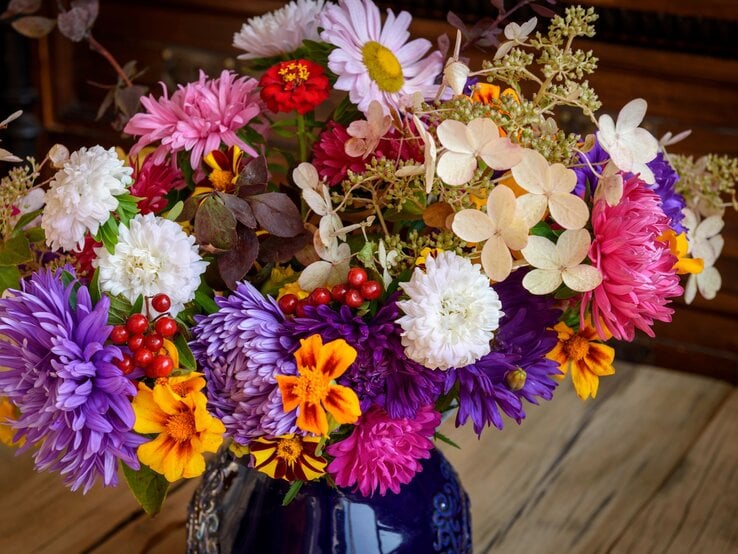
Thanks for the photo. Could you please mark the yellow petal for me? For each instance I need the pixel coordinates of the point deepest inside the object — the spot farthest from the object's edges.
(149, 417)
(311, 418)
(287, 385)
(342, 403)
(585, 383)
(335, 358)
(307, 355)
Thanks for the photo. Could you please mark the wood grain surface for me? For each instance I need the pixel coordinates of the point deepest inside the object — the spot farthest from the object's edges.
(651, 465)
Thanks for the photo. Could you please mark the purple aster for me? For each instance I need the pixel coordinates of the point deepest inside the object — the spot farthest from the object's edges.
(381, 374)
(73, 400)
(590, 165)
(521, 342)
(241, 348)
(671, 201)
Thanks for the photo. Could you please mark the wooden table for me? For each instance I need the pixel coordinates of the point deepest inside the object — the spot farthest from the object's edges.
(650, 466)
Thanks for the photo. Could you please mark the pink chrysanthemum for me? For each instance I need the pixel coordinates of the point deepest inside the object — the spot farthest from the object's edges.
(383, 453)
(637, 268)
(152, 182)
(197, 118)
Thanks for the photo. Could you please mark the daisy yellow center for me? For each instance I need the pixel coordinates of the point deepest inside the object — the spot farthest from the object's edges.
(384, 67)
(222, 179)
(576, 348)
(293, 74)
(312, 387)
(289, 449)
(181, 426)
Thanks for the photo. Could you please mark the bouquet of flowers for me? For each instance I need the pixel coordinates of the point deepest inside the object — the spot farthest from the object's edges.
(313, 267)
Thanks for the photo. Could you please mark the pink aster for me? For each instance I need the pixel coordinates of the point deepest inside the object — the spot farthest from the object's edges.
(383, 453)
(637, 268)
(197, 118)
(152, 182)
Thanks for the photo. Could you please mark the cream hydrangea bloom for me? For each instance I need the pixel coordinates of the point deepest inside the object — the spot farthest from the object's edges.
(480, 138)
(549, 187)
(450, 315)
(706, 242)
(153, 255)
(502, 227)
(559, 262)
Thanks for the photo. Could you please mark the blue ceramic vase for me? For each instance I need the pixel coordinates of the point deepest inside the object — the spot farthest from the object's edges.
(238, 510)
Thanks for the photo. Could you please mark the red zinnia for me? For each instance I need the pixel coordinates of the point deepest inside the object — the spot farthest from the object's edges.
(299, 85)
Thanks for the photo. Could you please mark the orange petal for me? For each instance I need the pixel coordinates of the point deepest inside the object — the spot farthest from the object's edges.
(600, 358)
(307, 355)
(312, 418)
(287, 385)
(342, 403)
(335, 358)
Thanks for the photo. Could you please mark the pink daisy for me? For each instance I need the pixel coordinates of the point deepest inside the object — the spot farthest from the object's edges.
(383, 453)
(152, 182)
(637, 268)
(373, 62)
(197, 118)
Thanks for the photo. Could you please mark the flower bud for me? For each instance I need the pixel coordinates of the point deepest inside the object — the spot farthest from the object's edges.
(516, 379)
(59, 154)
(455, 74)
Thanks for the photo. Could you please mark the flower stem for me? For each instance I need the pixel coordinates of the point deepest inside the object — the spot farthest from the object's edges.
(301, 137)
(100, 49)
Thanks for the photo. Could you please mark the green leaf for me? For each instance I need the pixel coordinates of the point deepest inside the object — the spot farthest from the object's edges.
(36, 234)
(173, 214)
(138, 305)
(445, 439)
(292, 492)
(25, 219)
(95, 287)
(183, 163)
(9, 278)
(120, 309)
(149, 488)
(205, 302)
(186, 358)
(542, 229)
(15, 251)
(108, 234)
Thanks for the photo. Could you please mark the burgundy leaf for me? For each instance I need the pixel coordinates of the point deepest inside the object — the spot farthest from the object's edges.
(277, 249)
(499, 5)
(276, 213)
(240, 209)
(234, 264)
(189, 209)
(543, 11)
(215, 225)
(33, 26)
(77, 22)
(127, 99)
(21, 7)
(455, 21)
(253, 177)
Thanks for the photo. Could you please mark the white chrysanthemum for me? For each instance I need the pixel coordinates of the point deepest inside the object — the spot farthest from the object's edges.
(153, 255)
(81, 196)
(451, 314)
(279, 32)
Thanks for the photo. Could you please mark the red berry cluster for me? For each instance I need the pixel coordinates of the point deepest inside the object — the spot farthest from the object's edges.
(357, 289)
(145, 343)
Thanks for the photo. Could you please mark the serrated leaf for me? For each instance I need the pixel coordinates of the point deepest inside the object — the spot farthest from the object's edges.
(234, 264)
(149, 487)
(240, 208)
(9, 278)
(34, 26)
(186, 358)
(15, 251)
(277, 214)
(215, 224)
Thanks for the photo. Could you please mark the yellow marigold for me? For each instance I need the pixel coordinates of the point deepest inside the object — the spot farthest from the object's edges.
(679, 247)
(8, 414)
(292, 288)
(175, 410)
(589, 359)
(313, 391)
(289, 457)
(424, 253)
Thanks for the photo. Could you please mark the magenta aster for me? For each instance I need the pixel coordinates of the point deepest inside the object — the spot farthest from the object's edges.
(383, 453)
(638, 276)
(197, 118)
(152, 182)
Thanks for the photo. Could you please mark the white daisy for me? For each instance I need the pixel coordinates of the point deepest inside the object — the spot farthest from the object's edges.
(451, 313)
(279, 32)
(374, 62)
(153, 255)
(81, 196)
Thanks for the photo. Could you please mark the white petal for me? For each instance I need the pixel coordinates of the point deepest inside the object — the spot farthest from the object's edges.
(690, 290)
(472, 226)
(306, 176)
(606, 134)
(541, 253)
(496, 259)
(644, 143)
(500, 153)
(456, 168)
(542, 281)
(452, 135)
(632, 114)
(573, 247)
(315, 275)
(531, 172)
(512, 31)
(568, 210)
(315, 201)
(532, 208)
(501, 206)
(710, 227)
(582, 278)
(709, 282)
(528, 27)
(503, 49)
(610, 189)
(481, 131)
(561, 178)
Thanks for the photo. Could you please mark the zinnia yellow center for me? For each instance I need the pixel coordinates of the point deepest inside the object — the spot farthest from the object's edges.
(293, 74)
(289, 449)
(221, 179)
(181, 427)
(312, 386)
(576, 348)
(384, 67)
